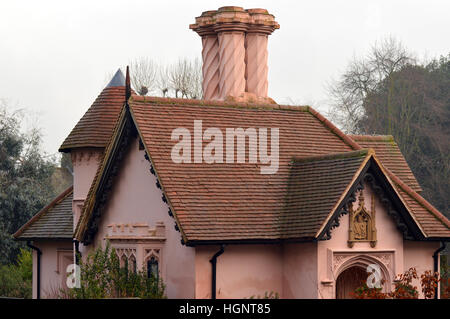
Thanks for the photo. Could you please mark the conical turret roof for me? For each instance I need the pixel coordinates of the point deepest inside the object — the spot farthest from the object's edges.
(117, 80)
(96, 126)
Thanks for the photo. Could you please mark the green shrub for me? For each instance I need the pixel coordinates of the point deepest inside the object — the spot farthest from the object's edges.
(102, 277)
(15, 279)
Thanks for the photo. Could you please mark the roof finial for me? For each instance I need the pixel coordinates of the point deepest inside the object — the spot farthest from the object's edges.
(127, 84)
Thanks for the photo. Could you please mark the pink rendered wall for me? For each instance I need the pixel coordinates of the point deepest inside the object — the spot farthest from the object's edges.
(389, 247)
(135, 198)
(242, 271)
(85, 163)
(420, 256)
(52, 266)
(300, 271)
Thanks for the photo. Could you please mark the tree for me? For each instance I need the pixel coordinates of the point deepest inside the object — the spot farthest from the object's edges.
(143, 74)
(413, 105)
(15, 280)
(25, 179)
(183, 79)
(389, 92)
(362, 77)
(62, 176)
(163, 81)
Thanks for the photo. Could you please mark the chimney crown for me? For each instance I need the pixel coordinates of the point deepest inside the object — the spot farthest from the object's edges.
(231, 14)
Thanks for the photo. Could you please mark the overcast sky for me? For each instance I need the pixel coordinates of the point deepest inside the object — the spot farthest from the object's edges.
(55, 55)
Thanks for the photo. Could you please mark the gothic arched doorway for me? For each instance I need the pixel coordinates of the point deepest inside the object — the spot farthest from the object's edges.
(349, 280)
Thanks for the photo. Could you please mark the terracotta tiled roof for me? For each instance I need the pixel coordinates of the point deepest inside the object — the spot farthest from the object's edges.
(226, 202)
(432, 225)
(315, 188)
(229, 201)
(433, 222)
(55, 221)
(96, 126)
(390, 155)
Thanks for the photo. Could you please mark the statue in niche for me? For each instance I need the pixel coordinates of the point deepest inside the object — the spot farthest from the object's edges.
(360, 227)
(362, 223)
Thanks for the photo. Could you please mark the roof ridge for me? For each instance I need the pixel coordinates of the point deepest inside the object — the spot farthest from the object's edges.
(351, 154)
(334, 129)
(232, 104)
(377, 137)
(58, 199)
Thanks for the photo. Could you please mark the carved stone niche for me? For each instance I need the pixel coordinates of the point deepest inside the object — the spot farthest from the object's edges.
(362, 223)
(136, 232)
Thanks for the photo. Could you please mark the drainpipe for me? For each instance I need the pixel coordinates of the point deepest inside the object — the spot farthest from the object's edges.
(213, 262)
(436, 264)
(77, 252)
(38, 276)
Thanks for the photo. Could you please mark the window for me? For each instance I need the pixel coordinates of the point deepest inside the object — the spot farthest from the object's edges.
(139, 247)
(132, 264)
(152, 267)
(152, 261)
(64, 259)
(127, 258)
(124, 262)
(140, 257)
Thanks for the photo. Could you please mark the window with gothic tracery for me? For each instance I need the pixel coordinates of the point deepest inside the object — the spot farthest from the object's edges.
(152, 268)
(152, 262)
(132, 265)
(127, 258)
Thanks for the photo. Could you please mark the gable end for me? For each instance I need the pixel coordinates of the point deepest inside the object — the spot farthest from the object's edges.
(372, 174)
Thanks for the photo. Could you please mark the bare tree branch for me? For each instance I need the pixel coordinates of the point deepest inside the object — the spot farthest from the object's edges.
(143, 75)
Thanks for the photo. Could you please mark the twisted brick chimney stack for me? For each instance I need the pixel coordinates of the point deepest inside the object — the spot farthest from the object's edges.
(235, 52)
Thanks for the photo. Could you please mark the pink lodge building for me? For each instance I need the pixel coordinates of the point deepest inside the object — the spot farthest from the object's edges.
(222, 229)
